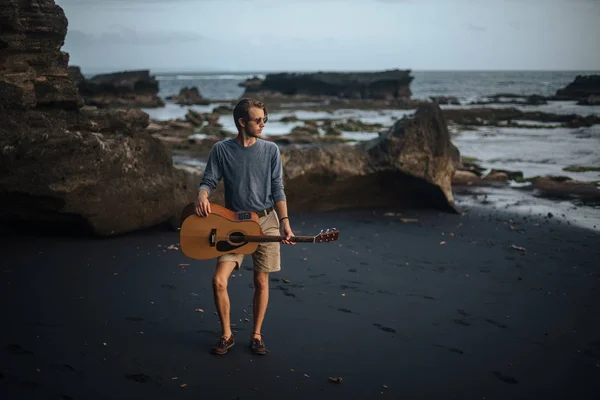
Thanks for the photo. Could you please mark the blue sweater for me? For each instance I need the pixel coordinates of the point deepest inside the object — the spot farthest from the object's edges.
(252, 175)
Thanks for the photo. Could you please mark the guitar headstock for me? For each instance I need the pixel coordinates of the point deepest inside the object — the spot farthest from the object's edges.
(328, 236)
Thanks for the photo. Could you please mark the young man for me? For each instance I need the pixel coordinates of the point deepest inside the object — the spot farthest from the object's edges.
(252, 173)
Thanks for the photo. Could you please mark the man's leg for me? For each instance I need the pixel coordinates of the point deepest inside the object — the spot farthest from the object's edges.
(221, 296)
(266, 260)
(261, 300)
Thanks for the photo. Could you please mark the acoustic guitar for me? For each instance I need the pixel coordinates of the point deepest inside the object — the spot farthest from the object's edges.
(225, 231)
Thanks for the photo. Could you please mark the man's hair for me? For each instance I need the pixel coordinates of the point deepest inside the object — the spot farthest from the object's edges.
(242, 108)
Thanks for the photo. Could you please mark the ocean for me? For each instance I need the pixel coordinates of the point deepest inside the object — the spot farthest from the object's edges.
(544, 150)
(467, 86)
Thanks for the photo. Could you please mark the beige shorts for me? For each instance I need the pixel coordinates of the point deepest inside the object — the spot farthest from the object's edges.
(267, 257)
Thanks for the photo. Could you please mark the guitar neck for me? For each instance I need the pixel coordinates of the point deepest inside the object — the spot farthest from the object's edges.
(263, 239)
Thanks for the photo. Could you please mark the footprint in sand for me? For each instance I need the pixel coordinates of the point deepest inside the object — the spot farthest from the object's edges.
(285, 291)
(498, 324)
(62, 367)
(505, 378)
(450, 349)
(141, 378)
(461, 322)
(385, 328)
(18, 349)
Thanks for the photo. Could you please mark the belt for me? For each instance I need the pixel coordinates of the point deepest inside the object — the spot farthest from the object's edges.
(265, 212)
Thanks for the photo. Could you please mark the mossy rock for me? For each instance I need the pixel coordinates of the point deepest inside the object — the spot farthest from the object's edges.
(305, 130)
(469, 160)
(354, 125)
(581, 168)
(332, 131)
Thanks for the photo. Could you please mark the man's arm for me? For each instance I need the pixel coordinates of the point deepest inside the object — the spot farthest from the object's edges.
(279, 197)
(212, 176)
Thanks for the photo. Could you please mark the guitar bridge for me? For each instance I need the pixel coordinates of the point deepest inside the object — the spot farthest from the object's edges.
(212, 239)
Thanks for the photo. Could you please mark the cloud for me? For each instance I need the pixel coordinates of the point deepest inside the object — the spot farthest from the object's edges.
(126, 36)
(124, 2)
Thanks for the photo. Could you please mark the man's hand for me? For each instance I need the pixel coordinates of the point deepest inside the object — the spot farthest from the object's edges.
(286, 230)
(202, 204)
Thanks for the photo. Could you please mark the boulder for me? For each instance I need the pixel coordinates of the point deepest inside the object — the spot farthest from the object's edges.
(388, 85)
(189, 96)
(127, 89)
(63, 165)
(462, 177)
(587, 193)
(581, 88)
(445, 100)
(410, 165)
(496, 176)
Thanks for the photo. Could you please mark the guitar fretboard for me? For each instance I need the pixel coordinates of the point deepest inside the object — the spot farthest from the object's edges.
(264, 239)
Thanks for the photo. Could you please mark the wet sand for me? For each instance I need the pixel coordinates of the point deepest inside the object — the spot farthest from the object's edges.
(388, 308)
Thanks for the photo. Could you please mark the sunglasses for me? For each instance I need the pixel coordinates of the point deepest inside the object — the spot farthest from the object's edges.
(258, 120)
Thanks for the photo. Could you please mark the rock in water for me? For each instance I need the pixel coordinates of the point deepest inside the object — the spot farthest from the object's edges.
(387, 85)
(126, 89)
(189, 96)
(582, 88)
(61, 163)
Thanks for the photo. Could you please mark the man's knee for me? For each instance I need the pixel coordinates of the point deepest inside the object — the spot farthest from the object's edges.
(261, 280)
(219, 283)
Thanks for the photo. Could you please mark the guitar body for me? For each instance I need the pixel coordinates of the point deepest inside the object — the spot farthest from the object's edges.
(203, 238)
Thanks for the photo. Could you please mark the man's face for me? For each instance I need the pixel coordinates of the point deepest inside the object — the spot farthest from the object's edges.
(255, 122)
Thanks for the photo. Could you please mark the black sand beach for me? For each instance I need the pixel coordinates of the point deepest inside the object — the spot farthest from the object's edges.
(388, 308)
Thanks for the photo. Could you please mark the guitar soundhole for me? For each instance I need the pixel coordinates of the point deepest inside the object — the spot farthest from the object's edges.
(236, 237)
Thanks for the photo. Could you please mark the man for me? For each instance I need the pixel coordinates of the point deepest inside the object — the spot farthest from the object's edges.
(252, 173)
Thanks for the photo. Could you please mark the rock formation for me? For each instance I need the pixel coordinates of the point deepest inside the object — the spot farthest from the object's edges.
(386, 85)
(583, 87)
(188, 97)
(128, 89)
(410, 165)
(503, 116)
(62, 164)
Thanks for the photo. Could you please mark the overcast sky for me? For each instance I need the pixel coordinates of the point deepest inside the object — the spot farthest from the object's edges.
(305, 35)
